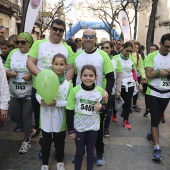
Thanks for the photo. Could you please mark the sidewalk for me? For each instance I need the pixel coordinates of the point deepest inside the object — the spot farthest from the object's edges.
(124, 149)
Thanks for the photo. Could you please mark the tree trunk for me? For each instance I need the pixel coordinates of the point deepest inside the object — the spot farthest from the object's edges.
(135, 25)
(25, 6)
(151, 28)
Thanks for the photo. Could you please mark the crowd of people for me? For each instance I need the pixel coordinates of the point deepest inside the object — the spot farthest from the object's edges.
(93, 80)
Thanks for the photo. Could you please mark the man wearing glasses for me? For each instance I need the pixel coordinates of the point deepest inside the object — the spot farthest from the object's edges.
(157, 67)
(41, 54)
(104, 69)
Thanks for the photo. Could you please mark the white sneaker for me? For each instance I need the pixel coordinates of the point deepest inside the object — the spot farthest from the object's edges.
(25, 146)
(60, 166)
(44, 167)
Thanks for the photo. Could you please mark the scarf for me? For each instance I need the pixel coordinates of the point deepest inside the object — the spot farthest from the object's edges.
(111, 56)
(61, 79)
(124, 57)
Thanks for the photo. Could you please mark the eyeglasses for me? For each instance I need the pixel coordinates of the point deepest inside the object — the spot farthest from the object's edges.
(11, 46)
(88, 36)
(105, 48)
(58, 29)
(128, 51)
(22, 42)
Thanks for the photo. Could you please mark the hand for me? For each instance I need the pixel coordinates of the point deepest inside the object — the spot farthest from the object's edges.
(105, 97)
(27, 77)
(3, 115)
(12, 74)
(43, 103)
(72, 136)
(97, 106)
(137, 85)
(144, 80)
(53, 103)
(118, 94)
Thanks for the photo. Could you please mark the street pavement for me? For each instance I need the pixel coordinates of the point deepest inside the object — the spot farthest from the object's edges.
(124, 149)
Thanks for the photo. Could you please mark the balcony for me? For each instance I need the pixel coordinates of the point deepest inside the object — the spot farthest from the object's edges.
(8, 7)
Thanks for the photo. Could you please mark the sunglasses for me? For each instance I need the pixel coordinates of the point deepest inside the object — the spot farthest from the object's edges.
(22, 42)
(11, 46)
(58, 29)
(88, 36)
(118, 44)
(105, 48)
(128, 51)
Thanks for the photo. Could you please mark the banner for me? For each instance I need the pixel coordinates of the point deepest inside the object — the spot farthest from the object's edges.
(124, 23)
(32, 12)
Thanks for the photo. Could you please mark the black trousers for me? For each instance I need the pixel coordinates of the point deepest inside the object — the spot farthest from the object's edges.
(127, 97)
(157, 107)
(59, 142)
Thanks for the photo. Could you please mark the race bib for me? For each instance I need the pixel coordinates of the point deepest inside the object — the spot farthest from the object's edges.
(86, 107)
(165, 84)
(19, 85)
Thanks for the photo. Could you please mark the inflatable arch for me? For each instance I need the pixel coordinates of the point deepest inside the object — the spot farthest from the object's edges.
(94, 25)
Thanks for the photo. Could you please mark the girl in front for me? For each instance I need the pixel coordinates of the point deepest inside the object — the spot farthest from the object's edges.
(83, 119)
(53, 117)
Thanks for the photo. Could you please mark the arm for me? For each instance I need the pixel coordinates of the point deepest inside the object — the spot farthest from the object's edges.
(5, 97)
(69, 72)
(32, 65)
(141, 67)
(118, 84)
(153, 74)
(110, 82)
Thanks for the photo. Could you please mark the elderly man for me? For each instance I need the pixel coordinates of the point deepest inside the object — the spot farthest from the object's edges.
(104, 68)
(41, 54)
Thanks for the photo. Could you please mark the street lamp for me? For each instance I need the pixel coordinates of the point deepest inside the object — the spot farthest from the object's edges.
(70, 26)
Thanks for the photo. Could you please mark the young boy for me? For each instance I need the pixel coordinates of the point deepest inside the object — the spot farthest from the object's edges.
(5, 50)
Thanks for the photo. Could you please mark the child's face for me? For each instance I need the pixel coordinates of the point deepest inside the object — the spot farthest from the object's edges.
(88, 77)
(4, 50)
(59, 65)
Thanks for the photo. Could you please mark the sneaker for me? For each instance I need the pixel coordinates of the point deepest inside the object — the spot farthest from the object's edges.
(17, 128)
(162, 120)
(135, 108)
(44, 167)
(33, 132)
(106, 133)
(100, 160)
(126, 125)
(40, 154)
(149, 137)
(146, 114)
(114, 118)
(60, 166)
(25, 146)
(156, 154)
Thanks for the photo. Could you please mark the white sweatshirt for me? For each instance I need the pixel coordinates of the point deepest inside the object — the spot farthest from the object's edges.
(4, 89)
